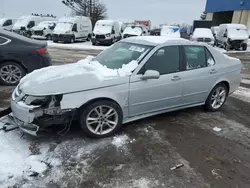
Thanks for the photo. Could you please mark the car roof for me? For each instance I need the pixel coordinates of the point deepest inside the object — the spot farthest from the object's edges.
(156, 40)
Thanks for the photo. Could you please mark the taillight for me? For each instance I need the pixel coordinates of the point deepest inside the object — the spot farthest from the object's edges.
(42, 50)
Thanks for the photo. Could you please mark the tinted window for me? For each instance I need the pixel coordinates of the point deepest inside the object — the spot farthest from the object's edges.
(31, 24)
(165, 60)
(7, 23)
(209, 57)
(195, 57)
(2, 40)
(74, 28)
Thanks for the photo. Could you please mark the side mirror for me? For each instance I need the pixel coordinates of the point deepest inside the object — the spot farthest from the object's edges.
(151, 74)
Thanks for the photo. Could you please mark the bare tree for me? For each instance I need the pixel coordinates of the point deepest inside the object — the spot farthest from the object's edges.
(93, 9)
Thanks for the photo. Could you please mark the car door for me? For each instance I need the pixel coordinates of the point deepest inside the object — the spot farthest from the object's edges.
(200, 74)
(152, 95)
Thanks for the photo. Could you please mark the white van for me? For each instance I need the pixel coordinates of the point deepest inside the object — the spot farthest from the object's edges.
(7, 23)
(24, 24)
(232, 36)
(134, 30)
(44, 30)
(106, 32)
(170, 31)
(71, 29)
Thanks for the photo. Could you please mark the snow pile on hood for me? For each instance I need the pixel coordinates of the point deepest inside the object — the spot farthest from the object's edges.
(83, 67)
(203, 33)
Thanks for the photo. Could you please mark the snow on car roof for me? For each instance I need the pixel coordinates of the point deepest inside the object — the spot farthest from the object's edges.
(106, 22)
(153, 40)
(238, 26)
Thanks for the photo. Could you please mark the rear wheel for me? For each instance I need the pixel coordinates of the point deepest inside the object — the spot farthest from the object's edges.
(55, 41)
(101, 119)
(217, 97)
(11, 73)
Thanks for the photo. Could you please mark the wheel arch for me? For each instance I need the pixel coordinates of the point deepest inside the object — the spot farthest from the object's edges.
(81, 108)
(226, 82)
(15, 61)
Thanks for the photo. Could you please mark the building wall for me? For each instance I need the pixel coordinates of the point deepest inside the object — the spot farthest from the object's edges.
(227, 5)
(242, 17)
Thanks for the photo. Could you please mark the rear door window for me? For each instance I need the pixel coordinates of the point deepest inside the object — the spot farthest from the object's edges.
(8, 23)
(195, 57)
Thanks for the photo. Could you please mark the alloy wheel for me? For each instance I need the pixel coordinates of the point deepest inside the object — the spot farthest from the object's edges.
(10, 74)
(218, 97)
(102, 120)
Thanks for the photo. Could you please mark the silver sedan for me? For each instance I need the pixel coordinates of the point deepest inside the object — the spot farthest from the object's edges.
(135, 78)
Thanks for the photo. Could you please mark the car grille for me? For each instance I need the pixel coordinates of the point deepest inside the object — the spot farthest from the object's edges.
(100, 37)
(128, 35)
(208, 40)
(236, 43)
(204, 40)
(40, 33)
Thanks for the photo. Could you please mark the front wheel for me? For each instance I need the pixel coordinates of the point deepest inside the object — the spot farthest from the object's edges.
(244, 47)
(217, 97)
(101, 119)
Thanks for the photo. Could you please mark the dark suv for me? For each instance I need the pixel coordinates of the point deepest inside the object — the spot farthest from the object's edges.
(20, 55)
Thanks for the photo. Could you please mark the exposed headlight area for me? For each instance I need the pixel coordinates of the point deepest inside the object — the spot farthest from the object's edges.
(108, 35)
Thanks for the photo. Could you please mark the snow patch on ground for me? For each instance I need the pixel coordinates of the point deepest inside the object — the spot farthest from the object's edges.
(17, 161)
(76, 46)
(120, 141)
(245, 81)
(242, 94)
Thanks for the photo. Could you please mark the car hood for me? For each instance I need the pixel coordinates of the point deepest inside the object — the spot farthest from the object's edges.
(80, 76)
(38, 28)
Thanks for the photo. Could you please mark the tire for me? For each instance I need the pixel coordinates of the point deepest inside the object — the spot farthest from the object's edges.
(244, 47)
(16, 70)
(49, 37)
(88, 38)
(94, 43)
(226, 47)
(55, 41)
(72, 40)
(104, 129)
(209, 102)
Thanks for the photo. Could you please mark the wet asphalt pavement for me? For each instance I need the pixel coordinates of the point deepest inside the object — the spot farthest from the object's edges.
(143, 152)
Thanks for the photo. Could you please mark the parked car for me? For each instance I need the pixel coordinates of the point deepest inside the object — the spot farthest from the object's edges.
(19, 56)
(24, 24)
(7, 23)
(232, 36)
(170, 31)
(71, 29)
(133, 30)
(203, 35)
(106, 32)
(135, 78)
(155, 32)
(44, 30)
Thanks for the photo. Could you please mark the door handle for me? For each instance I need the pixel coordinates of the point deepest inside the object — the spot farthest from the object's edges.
(176, 78)
(213, 71)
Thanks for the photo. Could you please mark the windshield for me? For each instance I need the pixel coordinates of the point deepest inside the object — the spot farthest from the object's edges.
(44, 24)
(122, 53)
(103, 28)
(237, 32)
(203, 32)
(22, 22)
(133, 29)
(64, 26)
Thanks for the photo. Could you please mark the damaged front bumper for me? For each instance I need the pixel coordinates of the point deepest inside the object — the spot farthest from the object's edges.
(23, 117)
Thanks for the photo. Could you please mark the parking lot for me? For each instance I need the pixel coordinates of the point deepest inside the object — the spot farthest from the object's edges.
(143, 152)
